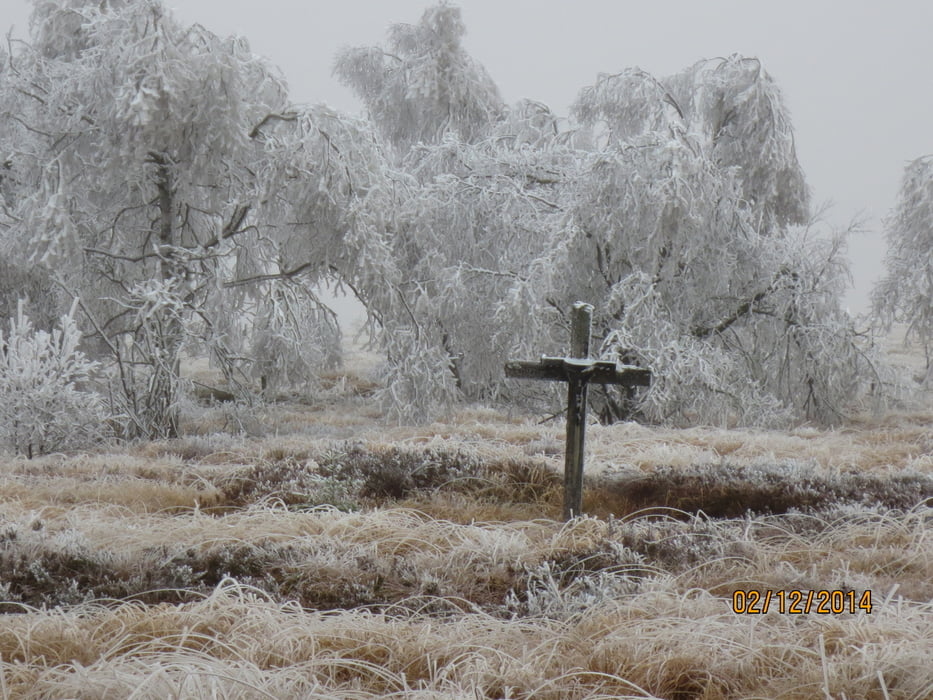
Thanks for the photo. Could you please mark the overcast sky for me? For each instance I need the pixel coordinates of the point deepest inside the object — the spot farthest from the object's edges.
(857, 76)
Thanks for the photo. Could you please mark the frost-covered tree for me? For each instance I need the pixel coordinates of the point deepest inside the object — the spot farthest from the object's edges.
(424, 84)
(139, 179)
(162, 176)
(676, 206)
(468, 229)
(905, 295)
(679, 234)
(328, 207)
(735, 324)
(473, 194)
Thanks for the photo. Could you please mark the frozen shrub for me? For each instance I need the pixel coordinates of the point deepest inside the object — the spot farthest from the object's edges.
(548, 595)
(43, 405)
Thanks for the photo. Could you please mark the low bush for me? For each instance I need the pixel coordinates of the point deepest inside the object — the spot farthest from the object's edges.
(43, 405)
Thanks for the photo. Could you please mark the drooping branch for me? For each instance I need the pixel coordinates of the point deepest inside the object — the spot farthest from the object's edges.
(358, 293)
(282, 117)
(743, 309)
(286, 274)
(125, 258)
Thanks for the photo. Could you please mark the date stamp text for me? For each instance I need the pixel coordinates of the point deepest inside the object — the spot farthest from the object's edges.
(822, 602)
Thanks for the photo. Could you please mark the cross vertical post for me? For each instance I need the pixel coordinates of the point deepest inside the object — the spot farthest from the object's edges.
(580, 321)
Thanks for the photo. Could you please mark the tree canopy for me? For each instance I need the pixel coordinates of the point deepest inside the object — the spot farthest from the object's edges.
(424, 83)
(161, 174)
(676, 206)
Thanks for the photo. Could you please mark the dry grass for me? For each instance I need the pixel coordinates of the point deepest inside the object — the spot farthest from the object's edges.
(235, 643)
(332, 556)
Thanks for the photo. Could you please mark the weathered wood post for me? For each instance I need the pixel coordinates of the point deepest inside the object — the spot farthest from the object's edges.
(580, 325)
(577, 370)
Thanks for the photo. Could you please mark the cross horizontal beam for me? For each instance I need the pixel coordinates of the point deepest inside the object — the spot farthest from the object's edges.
(567, 369)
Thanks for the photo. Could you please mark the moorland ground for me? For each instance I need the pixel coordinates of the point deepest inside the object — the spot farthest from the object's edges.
(309, 550)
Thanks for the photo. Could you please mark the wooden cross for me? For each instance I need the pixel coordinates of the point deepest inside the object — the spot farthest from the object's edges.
(577, 370)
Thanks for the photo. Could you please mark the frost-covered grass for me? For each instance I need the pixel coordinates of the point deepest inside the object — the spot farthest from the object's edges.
(532, 609)
(236, 643)
(421, 607)
(343, 558)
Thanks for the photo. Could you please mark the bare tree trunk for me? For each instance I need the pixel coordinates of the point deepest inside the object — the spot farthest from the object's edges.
(167, 338)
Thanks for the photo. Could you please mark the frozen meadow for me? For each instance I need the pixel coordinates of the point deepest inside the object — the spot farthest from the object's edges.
(332, 555)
